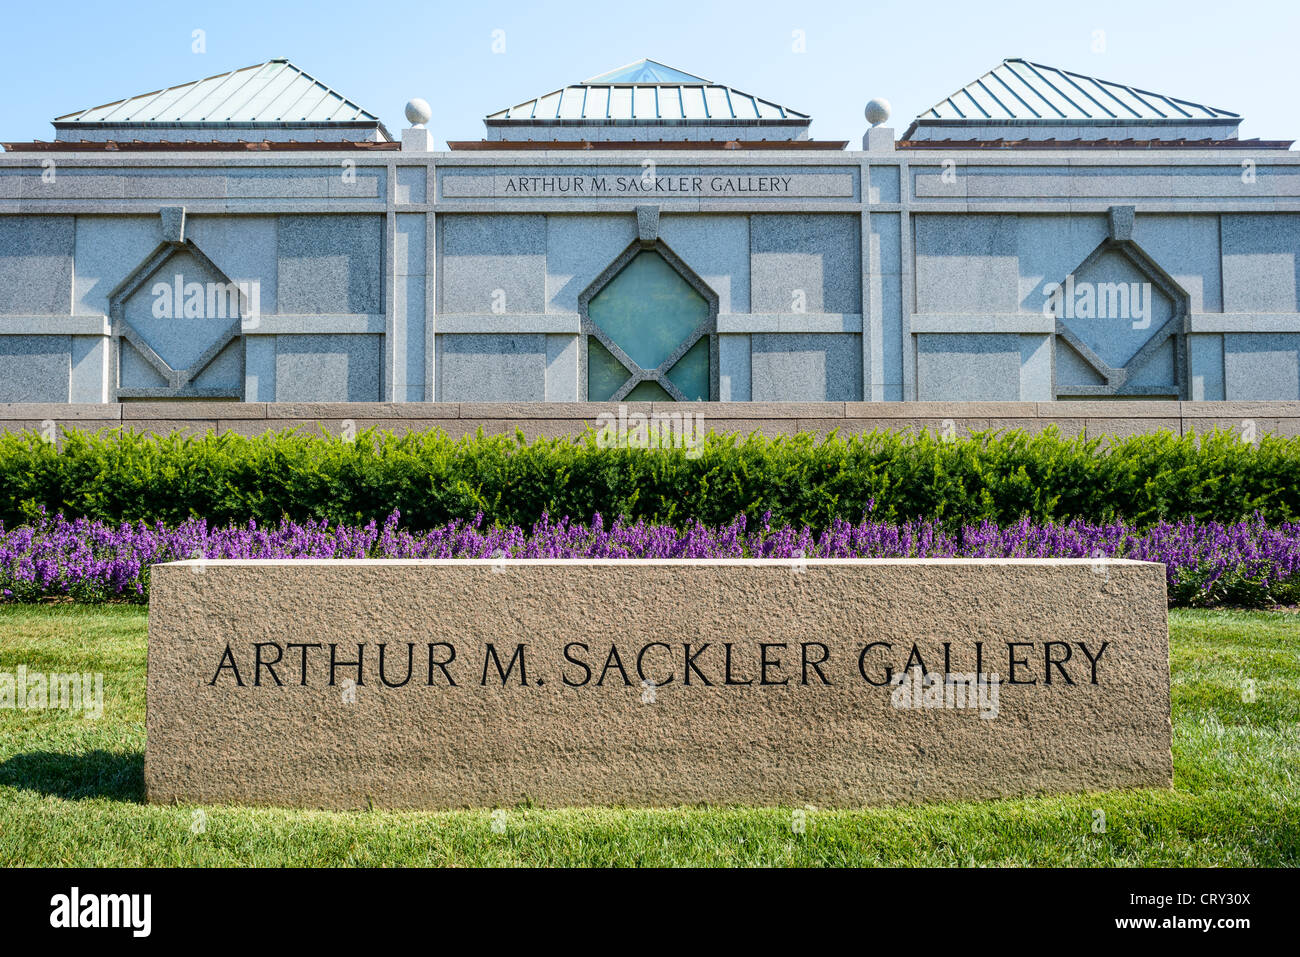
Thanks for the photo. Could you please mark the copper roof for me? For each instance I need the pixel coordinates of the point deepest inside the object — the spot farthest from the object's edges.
(192, 146)
(274, 91)
(1019, 99)
(648, 92)
(1019, 89)
(1101, 144)
(640, 145)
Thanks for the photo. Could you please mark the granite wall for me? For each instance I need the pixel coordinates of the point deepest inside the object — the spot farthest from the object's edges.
(882, 276)
(1093, 418)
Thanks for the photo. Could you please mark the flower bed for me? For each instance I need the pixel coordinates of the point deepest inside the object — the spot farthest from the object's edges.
(1247, 563)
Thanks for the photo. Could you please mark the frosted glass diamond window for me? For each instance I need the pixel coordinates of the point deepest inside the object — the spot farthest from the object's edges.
(605, 374)
(691, 371)
(651, 335)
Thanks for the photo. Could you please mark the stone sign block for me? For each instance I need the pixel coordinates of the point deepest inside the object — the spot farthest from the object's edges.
(835, 683)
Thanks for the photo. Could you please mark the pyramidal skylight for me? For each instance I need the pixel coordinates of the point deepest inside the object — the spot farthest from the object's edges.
(647, 100)
(271, 100)
(1020, 99)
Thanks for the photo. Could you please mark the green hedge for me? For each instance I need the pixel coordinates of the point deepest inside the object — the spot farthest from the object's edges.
(432, 478)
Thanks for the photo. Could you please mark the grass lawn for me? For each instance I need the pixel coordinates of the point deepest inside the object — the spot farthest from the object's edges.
(71, 789)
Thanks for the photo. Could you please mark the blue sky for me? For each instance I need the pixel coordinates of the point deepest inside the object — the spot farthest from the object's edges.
(58, 56)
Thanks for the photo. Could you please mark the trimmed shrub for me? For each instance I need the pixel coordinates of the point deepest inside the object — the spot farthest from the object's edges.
(432, 479)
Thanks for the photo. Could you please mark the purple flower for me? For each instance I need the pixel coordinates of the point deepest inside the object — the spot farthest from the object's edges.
(1207, 563)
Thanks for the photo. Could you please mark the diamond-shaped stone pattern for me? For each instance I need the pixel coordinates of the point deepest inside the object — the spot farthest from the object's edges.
(159, 316)
(1114, 307)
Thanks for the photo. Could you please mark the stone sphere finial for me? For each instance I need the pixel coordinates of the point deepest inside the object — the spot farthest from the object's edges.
(418, 112)
(877, 111)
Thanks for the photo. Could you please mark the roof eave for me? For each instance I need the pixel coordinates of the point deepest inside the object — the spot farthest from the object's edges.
(976, 124)
(1227, 120)
(151, 125)
(802, 121)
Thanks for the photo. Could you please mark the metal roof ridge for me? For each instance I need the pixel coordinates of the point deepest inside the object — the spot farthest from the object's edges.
(1139, 90)
(1070, 95)
(217, 108)
(231, 98)
(1036, 70)
(356, 106)
(598, 79)
(531, 104)
(155, 93)
(1049, 108)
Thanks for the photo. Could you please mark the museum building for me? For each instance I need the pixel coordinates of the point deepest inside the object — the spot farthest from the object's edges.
(648, 234)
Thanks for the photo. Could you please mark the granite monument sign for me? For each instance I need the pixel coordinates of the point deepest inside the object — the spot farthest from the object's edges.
(431, 683)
